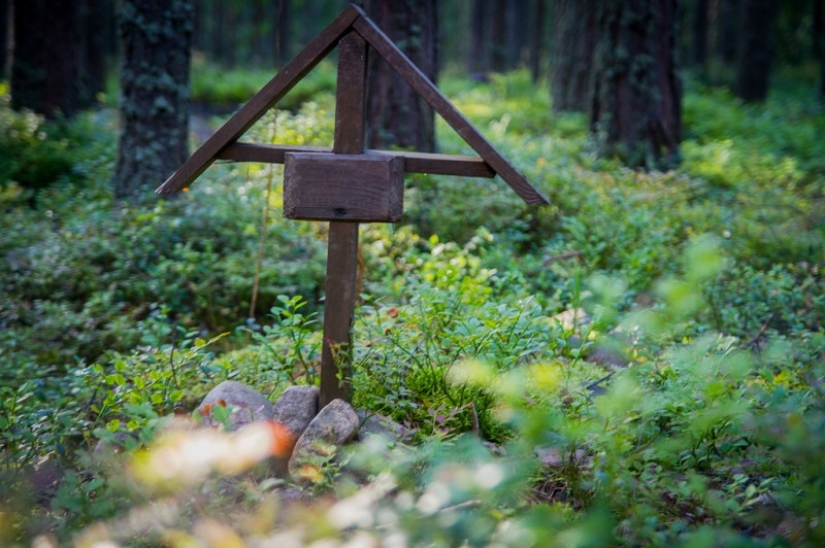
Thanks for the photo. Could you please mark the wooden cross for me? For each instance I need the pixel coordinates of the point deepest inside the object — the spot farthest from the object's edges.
(347, 185)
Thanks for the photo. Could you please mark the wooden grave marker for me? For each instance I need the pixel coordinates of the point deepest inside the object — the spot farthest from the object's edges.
(347, 185)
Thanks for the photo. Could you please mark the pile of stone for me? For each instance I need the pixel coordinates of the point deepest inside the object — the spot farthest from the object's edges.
(309, 435)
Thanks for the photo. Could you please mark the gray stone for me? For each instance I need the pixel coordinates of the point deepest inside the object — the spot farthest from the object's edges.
(374, 424)
(555, 458)
(45, 479)
(609, 357)
(106, 450)
(245, 404)
(572, 319)
(294, 410)
(335, 425)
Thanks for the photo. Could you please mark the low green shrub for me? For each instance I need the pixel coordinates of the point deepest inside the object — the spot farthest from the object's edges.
(221, 87)
(94, 271)
(35, 153)
(681, 445)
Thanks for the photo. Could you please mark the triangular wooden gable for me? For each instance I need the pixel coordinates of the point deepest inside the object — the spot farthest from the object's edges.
(223, 143)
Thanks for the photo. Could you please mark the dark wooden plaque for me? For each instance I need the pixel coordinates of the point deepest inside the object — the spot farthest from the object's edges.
(343, 187)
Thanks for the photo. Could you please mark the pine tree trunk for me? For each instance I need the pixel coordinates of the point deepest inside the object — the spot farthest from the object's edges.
(822, 76)
(48, 57)
(199, 37)
(230, 37)
(154, 111)
(498, 36)
(4, 35)
(281, 38)
(259, 47)
(397, 115)
(758, 19)
(727, 40)
(519, 34)
(95, 15)
(819, 42)
(478, 39)
(572, 54)
(699, 34)
(818, 34)
(636, 111)
(537, 40)
(218, 34)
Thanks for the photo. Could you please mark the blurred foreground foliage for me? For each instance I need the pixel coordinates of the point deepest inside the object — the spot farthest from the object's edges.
(703, 286)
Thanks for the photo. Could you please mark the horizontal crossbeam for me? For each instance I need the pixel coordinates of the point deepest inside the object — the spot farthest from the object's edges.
(414, 162)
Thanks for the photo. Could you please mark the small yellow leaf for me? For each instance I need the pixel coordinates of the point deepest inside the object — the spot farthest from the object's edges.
(311, 473)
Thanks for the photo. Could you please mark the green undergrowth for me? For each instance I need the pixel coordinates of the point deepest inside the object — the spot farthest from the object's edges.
(35, 153)
(224, 88)
(702, 286)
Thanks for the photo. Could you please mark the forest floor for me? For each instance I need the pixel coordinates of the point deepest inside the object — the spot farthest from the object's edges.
(687, 409)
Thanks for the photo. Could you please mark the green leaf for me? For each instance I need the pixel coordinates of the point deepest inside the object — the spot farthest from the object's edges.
(92, 485)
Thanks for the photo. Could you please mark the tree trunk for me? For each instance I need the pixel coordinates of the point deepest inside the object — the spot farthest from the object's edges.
(519, 34)
(636, 111)
(478, 39)
(154, 105)
(454, 36)
(48, 57)
(199, 37)
(699, 34)
(281, 37)
(537, 40)
(822, 76)
(260, 27)
(819, 42)
(758, 19)
(498, 36)
(95, 15)
(572, 54)
(218, 28)
(4, 36)
(727, 41)
(230, 33)
(396, 114)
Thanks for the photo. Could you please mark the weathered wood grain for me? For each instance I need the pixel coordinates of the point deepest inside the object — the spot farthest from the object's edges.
(339, 312)
(268, 154)
(350, 96)
(344, 187)
(445, 164)
(342, 247)
(414, 162)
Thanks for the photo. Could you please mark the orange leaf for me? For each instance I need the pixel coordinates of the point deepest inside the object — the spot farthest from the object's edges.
(282, 440)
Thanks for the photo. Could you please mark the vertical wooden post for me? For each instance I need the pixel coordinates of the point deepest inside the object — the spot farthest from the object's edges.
(342, 251)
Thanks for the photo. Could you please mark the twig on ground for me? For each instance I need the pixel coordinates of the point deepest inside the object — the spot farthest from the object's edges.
(756, 339)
